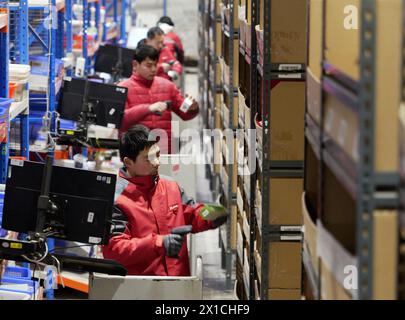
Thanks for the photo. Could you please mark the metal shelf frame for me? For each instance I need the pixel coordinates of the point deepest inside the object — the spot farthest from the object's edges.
(370, 189)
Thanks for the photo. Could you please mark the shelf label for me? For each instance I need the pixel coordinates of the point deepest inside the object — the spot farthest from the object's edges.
(94, 240)
(291, 228)
(17, 162)
(289, 67)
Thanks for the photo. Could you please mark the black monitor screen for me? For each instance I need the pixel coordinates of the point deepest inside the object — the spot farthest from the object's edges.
(84, 199)
(107, 58)
(108, 101)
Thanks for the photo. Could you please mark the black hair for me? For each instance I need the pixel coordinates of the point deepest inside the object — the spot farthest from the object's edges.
(153, 32)
(134, 141)
(143, 51)
(167, 20)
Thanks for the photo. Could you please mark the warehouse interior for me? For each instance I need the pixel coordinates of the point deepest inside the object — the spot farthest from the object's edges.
(283, 176)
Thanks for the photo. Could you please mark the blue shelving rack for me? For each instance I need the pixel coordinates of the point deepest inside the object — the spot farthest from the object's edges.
(15, 46)
(110, 27)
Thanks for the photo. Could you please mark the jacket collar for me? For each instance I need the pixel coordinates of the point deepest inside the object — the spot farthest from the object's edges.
(138, 78)
(143, 183)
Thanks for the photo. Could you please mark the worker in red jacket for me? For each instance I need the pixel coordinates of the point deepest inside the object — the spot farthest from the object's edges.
(168, 66)
(147, 209)
(151, 99)
(172, 40)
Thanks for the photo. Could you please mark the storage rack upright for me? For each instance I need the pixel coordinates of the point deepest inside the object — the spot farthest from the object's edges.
(352, 153)
(269, 110)
(18, 54)
(229, 121)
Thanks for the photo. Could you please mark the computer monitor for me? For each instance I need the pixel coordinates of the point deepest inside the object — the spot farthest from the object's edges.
(84, 200)
(107, 101)
(108, 60)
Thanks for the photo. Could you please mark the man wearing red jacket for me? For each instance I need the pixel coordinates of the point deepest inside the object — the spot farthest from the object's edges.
(150, 96)
(147, 209)
(168, 66)
(172, 40)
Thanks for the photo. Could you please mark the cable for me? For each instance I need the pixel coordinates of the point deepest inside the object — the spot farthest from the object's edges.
(59, 270)
(33, 281)
(42, 258)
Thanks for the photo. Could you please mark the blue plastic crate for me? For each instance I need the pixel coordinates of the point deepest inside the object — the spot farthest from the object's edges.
(5, 103)
(31, 283)
(17, 272)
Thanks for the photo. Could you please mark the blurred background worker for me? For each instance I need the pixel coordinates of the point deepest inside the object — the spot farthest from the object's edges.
(168, 66)
(151, 99)
(171, 39)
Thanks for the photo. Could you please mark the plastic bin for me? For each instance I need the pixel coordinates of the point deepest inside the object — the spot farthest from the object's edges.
(5, 103)
(17, 272)
(19, 73)
(12, 295)
(30, 283)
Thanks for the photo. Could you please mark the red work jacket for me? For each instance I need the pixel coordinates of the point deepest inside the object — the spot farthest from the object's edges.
(141, 94)
(152, 207)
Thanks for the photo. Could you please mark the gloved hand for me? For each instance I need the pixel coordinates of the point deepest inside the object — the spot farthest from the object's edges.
(219, 221)
(173, 244)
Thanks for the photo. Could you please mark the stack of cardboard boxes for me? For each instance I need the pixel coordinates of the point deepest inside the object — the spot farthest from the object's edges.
(333, 92)
(280, 238)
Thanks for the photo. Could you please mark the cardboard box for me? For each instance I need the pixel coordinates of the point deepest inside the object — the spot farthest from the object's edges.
(234, 221)
(284, 265)
(342, 45)
(310, 235)
(287, 120)
(286, 294)
(315, 37)
(330, 288)
(385, 252)
(289, 31)
(339, 214)
(285, 201)
(343, 52)
(314, 96)
(388, 86)
(341, 124)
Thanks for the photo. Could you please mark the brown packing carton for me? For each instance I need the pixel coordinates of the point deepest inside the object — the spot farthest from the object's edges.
(285, 201)
(342, 44)
(310, 235)
(284, 294)
(314, 93)
(287, 120)
(341, 124)
(388, 90)
(262, 14)
(343, 50)
(330, 288)
(385, 255)
(234, 221)
(289, 31)
(315, 37)
(284, 265)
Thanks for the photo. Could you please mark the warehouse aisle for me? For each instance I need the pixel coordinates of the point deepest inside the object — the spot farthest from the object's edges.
(207, 242)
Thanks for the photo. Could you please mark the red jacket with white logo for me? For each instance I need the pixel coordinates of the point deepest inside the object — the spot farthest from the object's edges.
(166, 56)
(141, 94)
(152, 207)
